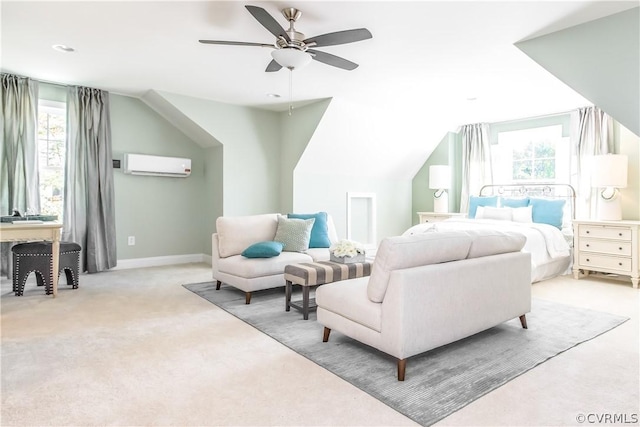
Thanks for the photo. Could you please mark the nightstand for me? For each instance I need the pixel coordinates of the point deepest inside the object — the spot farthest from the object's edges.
(607, 247)
(435, 217)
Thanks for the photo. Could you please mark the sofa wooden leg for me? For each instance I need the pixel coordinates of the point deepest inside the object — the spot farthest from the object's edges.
(247, 297)
(523, 321)
(325, 335)
(402, 367)
(218, 283)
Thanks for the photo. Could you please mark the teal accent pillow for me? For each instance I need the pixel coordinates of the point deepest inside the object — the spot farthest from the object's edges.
(475, 201)
(320, 230)
(263, 250)
(548, 211)
(515, 203)
(294, 234)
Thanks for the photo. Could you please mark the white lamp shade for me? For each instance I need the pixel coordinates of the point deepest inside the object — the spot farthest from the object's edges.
(291, 58)
(609, 170)
(439, 177)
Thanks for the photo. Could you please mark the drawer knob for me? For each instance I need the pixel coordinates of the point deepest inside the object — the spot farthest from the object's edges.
(619, 249)
(620, 234)
(587, 245)
(587, 231)
(619, 263)
(588, 260)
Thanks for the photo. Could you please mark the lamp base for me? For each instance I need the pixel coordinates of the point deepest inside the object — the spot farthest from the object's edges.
(609, 210)
(441, 202)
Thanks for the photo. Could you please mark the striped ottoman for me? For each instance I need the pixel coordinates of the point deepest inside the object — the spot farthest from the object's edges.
(309, 274)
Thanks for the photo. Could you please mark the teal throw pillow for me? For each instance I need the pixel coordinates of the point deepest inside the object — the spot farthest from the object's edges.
(320, 230)
(515, 203)
(294, 234)
(475, 201)
(263, 250)
(548, 211)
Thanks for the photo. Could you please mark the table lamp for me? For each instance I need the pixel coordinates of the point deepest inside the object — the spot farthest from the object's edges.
(609, 173)
(440, 180)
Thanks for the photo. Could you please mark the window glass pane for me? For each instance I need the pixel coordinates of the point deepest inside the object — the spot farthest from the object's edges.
(51, 151)
(539, 154)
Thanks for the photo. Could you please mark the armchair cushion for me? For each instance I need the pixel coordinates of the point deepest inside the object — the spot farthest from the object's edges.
(400, 252)
(237, 233)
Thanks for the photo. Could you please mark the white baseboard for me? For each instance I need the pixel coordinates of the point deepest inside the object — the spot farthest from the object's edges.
(124, 264)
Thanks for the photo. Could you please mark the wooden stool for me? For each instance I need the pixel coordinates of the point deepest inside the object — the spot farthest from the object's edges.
(36, 257)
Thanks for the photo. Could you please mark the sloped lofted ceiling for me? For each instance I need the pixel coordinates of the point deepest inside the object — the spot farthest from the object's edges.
(430, 67)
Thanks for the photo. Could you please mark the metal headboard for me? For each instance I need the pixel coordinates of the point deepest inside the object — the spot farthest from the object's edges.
(549, 191)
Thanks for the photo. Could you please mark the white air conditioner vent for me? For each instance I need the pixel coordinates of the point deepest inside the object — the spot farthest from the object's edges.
(142, 164)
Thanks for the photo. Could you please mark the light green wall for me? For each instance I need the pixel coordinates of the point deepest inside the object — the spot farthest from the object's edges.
(629, 144)
(422, 195)
(598, 59)
(250, 141)
(166, 215)
(212, 194)
(297, 130)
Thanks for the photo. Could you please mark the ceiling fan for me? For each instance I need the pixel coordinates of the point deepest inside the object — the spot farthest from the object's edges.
(291, 49)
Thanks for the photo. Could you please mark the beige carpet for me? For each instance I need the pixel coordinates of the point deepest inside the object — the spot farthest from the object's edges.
(133, 347)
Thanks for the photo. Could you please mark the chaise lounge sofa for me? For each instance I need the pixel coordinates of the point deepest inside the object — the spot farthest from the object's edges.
(235, 234)
(429, 290)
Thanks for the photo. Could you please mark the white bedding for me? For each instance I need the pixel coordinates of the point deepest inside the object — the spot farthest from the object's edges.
(550, 252)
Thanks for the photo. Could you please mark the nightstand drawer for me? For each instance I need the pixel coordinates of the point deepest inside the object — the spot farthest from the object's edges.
(606, 247)
(618, 233)
(596, 262)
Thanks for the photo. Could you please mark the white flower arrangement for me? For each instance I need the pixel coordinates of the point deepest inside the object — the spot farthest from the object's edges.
(346, 248)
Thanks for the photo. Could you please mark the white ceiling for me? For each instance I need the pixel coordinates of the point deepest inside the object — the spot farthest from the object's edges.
(423, 54)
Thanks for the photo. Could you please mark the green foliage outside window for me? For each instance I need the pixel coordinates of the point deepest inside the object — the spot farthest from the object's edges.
(51, 151)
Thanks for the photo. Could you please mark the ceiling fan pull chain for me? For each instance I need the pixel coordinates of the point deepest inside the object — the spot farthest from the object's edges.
(290, 91)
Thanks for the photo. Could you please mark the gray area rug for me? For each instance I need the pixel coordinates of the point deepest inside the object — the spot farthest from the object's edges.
(438, 382)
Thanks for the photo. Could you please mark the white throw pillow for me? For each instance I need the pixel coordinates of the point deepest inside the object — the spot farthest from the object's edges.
(488, 212)
(523, 214)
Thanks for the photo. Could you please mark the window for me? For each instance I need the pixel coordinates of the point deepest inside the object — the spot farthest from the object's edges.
(531, 155)
(51, 150)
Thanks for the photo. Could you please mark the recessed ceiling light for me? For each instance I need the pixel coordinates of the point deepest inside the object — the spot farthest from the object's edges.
(273, 95)
(62, 48)
(472, 98)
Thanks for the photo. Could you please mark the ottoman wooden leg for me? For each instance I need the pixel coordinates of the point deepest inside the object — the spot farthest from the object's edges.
(218, 283)
(247, 297)
(325, 335)
(305, 302)
(287, 299)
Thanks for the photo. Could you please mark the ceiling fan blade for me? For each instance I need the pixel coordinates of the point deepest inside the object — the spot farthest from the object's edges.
(273, 66)
(268, 22)
(333, 60)
(340, 37)
(235, 43)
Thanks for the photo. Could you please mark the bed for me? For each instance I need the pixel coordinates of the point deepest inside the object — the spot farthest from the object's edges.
(542, 213)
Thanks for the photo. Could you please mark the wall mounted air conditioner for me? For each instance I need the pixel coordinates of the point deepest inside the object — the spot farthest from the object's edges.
(142, 164)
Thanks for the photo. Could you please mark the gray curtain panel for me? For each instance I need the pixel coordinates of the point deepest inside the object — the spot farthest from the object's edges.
(19, 184)
(89, 215)
(476, 161)
(592, 135)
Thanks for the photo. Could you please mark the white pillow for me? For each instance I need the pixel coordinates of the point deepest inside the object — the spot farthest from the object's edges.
(523, 214)
(488, 212)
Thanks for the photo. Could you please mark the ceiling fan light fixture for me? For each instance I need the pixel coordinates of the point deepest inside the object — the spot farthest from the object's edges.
(292, 59)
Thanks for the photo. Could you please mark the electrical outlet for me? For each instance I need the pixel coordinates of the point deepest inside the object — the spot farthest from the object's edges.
(132, 240)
